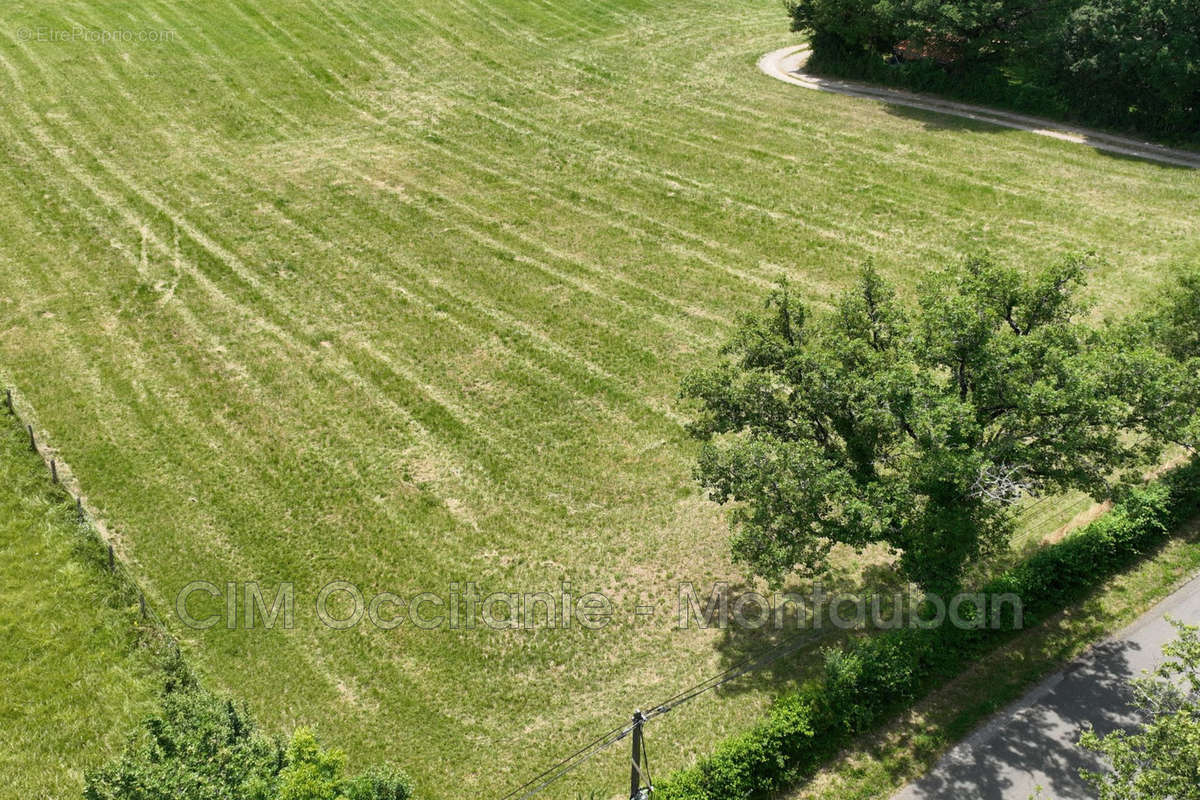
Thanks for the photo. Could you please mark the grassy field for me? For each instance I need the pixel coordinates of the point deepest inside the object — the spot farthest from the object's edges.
(401, 294)
(76, 676)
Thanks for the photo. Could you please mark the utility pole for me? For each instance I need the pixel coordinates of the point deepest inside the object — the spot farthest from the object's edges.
(635, 771)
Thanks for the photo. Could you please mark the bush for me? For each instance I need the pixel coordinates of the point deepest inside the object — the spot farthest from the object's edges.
(380, 783)
(865, 682)
(199, 746)
(868, 682)
(754, 763)
(204, 747)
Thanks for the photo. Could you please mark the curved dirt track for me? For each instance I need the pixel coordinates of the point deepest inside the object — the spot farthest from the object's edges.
(787, 64)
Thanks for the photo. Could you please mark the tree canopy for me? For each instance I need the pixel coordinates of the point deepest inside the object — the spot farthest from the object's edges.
(1160, 759)
(1129, 64)
(204, 747)
(1134, 60)
(919, 425)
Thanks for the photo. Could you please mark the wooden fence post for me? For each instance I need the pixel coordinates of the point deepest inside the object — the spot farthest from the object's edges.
(32, 441)
(79, 509)
(8, 403)
(53, 471)
(111, 560)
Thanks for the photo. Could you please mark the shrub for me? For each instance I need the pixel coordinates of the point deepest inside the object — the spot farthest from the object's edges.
(204, 747)
(198, 746)
(863, 683)
(380, 783)
(753, 763)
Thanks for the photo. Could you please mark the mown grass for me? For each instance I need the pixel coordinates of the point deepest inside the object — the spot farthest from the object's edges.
(76, 675)
(402, 295)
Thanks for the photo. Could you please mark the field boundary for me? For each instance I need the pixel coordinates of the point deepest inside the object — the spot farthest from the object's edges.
(86, 516)
(787, 64)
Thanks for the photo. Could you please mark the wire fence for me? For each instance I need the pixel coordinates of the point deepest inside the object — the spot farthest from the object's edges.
(89, 523)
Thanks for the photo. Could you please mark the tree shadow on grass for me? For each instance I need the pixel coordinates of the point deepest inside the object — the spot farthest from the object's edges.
(780, 648)
(938, 121)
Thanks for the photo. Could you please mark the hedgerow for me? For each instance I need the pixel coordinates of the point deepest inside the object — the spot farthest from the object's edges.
(867, 682)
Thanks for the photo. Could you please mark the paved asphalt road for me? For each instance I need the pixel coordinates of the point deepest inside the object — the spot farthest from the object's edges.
(1032, 742)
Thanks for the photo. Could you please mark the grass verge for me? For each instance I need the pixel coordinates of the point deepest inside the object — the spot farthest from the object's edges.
(77, 672)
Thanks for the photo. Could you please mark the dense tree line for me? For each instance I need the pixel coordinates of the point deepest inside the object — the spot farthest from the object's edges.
(1124, 64)
(919, 425)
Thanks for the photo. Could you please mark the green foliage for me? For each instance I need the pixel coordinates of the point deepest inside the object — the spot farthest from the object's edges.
(1118, 63)
(972, 30)
(848, 24)
(919, 427)
(1160, 759)
(380, 783)
(1135, 62)
(754, 763)
(400, 298)
(869, 681)
(1177, 317)
(976, 29)
(864, 682)
(311, 773)
(203, 747)
(198, 746)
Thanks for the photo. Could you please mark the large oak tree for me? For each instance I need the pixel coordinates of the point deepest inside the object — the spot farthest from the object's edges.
(920, 426)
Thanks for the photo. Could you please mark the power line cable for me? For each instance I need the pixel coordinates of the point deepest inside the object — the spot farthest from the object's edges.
(596, 746)
(578, 757)
(563, 768)
(761, 661)
(646, 764)
(588, 751)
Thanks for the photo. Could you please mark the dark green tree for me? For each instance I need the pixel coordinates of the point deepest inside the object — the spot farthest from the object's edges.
(1160, 759)
(1175, 324)
(848, 25)
(1177, 316)
(1129, 64)
(977, 30)
(972, 30)
(1135, 62)
(919, 427)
